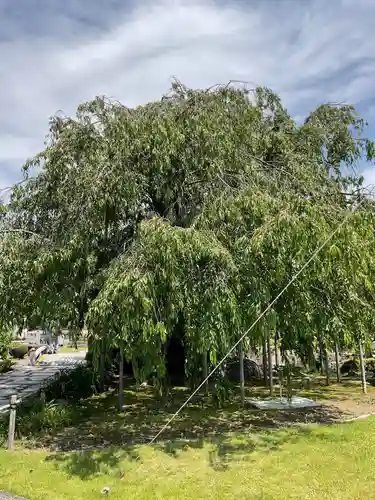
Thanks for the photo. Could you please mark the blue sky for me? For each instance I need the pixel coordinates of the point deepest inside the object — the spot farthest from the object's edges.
(55, 54)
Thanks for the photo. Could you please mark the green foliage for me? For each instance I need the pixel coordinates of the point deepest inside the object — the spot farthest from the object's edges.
(19, 351)
(5, 341)
(51, 417)
(370, 365)
(222, 389)
(199, 209)
(350, 366)
(177, 270)
(5, 365)
(35, 418)
(73, 385)
(58, 412)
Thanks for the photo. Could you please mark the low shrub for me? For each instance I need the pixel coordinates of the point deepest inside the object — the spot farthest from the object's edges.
(50, 417)
(5, 365)
(62, 408)
(73, 384)
(5, 341)
(350, 366)
(19, 351)
(370, 365)
(33, 419)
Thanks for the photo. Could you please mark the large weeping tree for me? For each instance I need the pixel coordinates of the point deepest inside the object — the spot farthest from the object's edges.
(168, 271)
(201, 206)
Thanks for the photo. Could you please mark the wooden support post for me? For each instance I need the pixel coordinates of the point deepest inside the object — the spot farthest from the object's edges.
(281, 381)
(321, 353)
(326, 365)
(276, 342)
(264, 358)
(121, 380)
(242, 375)
(102, 366)
(338, 375)
(12, 421)
(205, 371)
(269, 350)
(43, 398)
(363, 367)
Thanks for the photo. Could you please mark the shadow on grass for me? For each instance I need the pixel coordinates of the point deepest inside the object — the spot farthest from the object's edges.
(97, 424)
(349, 388)
(101, 437)
(87, 464)
(220, 452)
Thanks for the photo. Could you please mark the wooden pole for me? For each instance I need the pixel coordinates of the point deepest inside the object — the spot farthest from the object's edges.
(269, 349)
(321, 353)
(205, 371)
(121, 380)
(276, 349)
(338, 375)
(242, 375)
(362, 365)
(264, 356)
(102, 344)
(281, 381)
(326, 365)
(102, 366)
(12, 421)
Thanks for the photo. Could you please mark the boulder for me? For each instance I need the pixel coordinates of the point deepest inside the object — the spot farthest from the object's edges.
(251, 370)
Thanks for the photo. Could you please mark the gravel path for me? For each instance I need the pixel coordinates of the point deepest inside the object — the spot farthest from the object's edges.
(26, 380)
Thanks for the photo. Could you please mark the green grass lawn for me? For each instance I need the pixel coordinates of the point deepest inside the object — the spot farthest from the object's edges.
(68, 349)
(96, 421)
(65, 350)
(207, 452)
(328, 462)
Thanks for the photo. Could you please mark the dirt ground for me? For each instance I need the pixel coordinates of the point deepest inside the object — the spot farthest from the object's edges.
(346, 398)
(353, 409)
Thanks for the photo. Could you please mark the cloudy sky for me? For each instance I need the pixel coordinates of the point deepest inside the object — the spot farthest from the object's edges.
(55, 54)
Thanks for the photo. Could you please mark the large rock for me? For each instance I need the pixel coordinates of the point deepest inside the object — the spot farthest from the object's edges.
(251, 370)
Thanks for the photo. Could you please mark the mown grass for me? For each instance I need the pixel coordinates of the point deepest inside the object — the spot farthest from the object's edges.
(327, 462)
(206, 452)
(96, 422)
(70, 349)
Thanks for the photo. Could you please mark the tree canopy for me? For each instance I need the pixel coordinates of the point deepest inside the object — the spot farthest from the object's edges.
(198, 208)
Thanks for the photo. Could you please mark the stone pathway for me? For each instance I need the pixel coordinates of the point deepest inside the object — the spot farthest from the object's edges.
(26, 380)
(8, 496)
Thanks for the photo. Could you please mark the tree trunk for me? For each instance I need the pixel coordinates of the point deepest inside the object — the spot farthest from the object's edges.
(326, 365)
(102, 345)
(264, 356)
(121, 379)
(102, 367)
(205, 371)
(338, 375)
(362, 365)
(321, 354)
(242, 375)
(276, 349)
(269, 349)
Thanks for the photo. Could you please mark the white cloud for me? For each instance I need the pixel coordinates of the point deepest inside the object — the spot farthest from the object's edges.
(369, 176)
(308, 51)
